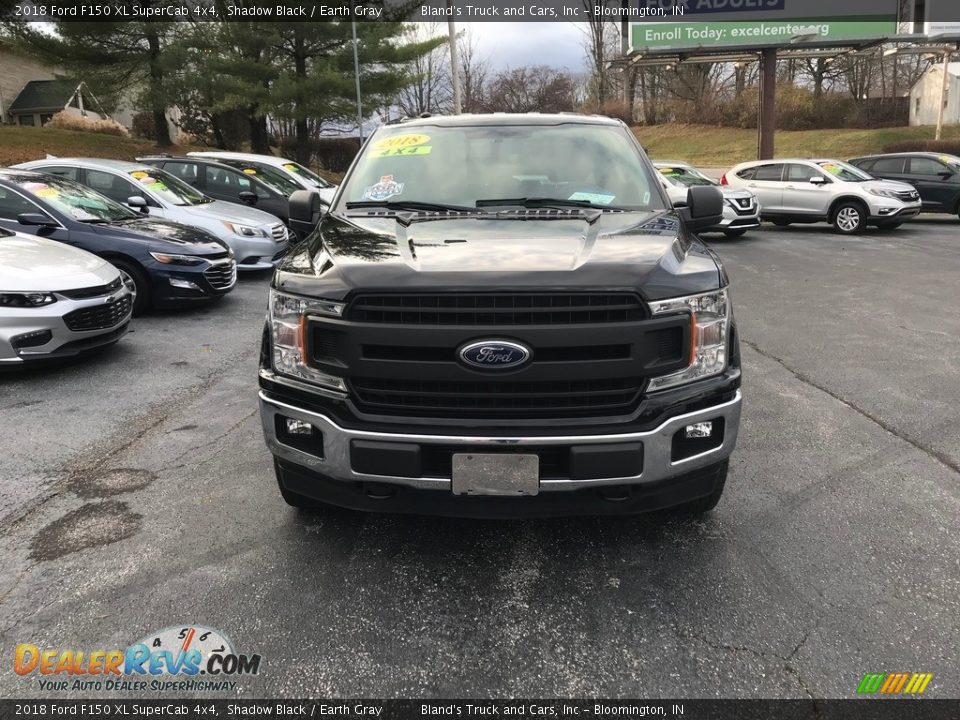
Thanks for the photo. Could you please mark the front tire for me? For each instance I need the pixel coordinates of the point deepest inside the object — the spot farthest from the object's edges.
(890, 226)
(850, 218)
(781, 223)
(135, 279)
(734, 233)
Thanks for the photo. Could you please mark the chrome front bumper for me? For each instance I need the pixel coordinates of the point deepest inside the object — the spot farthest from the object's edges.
(657, 447)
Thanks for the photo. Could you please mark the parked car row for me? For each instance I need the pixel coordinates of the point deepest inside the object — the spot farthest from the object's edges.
(85, 244)
(882, 191)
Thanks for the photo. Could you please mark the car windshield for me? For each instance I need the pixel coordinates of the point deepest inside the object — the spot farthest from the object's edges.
(168, 187)
(951, 161)
(845, 171)
(269, 176)
(572, 163)
(78, 201)
(307, 174)
(685, 176)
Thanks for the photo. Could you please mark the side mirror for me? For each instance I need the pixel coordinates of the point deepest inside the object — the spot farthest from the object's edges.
(818, 180)
(250, 198)
(138, 203)
(305, 211)
(704, 207)
(37, 219)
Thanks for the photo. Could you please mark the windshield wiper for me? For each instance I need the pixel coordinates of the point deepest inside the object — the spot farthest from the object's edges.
(407, 205)
(543, 202)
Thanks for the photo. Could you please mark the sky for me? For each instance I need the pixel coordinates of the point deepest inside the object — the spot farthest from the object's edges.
(513, 44)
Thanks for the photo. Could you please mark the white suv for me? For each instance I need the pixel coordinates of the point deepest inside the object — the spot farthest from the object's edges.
(809, 191)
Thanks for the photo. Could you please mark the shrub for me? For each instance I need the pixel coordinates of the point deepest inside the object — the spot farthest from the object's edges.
(69, 121)
(947, 147)
(144, 127)
(336, 154)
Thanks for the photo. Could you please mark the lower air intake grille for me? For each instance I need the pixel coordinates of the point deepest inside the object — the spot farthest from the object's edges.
(496, 398)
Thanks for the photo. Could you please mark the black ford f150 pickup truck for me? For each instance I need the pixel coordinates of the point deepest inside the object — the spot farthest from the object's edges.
(502, 315)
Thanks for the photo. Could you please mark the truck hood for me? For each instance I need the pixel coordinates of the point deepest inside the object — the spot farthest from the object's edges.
(649, 252)
(231, 212)
(30, 264)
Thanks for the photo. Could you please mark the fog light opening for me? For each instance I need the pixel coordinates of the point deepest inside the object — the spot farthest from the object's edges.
(31, 339)
(698, 430)
(298, 427)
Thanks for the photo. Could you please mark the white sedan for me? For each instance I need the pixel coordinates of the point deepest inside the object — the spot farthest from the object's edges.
(57, 300)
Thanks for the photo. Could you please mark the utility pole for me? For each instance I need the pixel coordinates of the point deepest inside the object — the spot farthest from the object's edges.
(356, 74)
(943, 92)
(454, 60)
(767, 127)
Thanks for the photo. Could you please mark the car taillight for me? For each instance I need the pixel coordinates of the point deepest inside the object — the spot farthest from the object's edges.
(723, 179)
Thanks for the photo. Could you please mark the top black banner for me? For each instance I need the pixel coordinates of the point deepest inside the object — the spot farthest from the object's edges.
(712, 11)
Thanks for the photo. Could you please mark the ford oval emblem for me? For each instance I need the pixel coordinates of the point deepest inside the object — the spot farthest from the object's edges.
(495, 354)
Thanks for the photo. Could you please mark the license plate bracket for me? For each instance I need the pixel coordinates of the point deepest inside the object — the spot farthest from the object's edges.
(495, 474)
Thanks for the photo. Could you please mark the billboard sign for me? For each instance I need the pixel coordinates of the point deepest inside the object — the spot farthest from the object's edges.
(689, 24)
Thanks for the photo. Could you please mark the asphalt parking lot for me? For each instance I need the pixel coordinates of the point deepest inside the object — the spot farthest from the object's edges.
(137, 494)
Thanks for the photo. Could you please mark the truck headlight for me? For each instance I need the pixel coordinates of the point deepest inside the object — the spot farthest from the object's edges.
(709, 336)
(288, 329)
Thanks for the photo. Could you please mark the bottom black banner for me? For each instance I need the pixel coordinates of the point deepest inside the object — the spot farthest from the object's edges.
(859, 709)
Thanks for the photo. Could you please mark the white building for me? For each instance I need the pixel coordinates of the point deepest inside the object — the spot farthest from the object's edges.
(925, 96)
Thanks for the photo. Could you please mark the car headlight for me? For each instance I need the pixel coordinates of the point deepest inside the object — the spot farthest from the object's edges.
(26, 299)
(173, 259)
(880, 192)
(244, 230)
(288, 331)
(709, 336)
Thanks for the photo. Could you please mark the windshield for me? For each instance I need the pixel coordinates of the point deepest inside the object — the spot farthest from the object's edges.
(168, 187)
(269, 176)
(685, 176)
(844, 171)
(311, 177)
(79, 202)
(597, 165)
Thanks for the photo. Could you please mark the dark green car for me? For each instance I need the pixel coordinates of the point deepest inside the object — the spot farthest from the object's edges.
(936, 176)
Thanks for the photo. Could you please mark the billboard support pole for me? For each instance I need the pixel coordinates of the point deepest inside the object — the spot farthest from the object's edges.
(767, 124)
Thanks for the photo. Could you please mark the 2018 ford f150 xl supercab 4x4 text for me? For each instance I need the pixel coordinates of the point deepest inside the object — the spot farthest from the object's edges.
(502, 315)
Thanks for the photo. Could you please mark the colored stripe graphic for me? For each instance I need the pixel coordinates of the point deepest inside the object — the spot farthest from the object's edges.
(894, 683)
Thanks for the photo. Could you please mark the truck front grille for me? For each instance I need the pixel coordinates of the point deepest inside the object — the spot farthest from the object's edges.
(496, 309)
(575, 397)
(590, 354)
(100, 316)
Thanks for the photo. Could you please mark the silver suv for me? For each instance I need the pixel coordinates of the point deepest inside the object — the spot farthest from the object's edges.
(740, 208)
(809, 191)
(257, 238)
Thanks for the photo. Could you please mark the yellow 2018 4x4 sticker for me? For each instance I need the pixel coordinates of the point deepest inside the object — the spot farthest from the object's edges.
(401, 145)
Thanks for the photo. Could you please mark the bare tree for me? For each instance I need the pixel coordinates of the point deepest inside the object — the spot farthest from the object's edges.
(821, 73)
(531, 89)
(601, 41)
(474, 73)
(430, 88)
